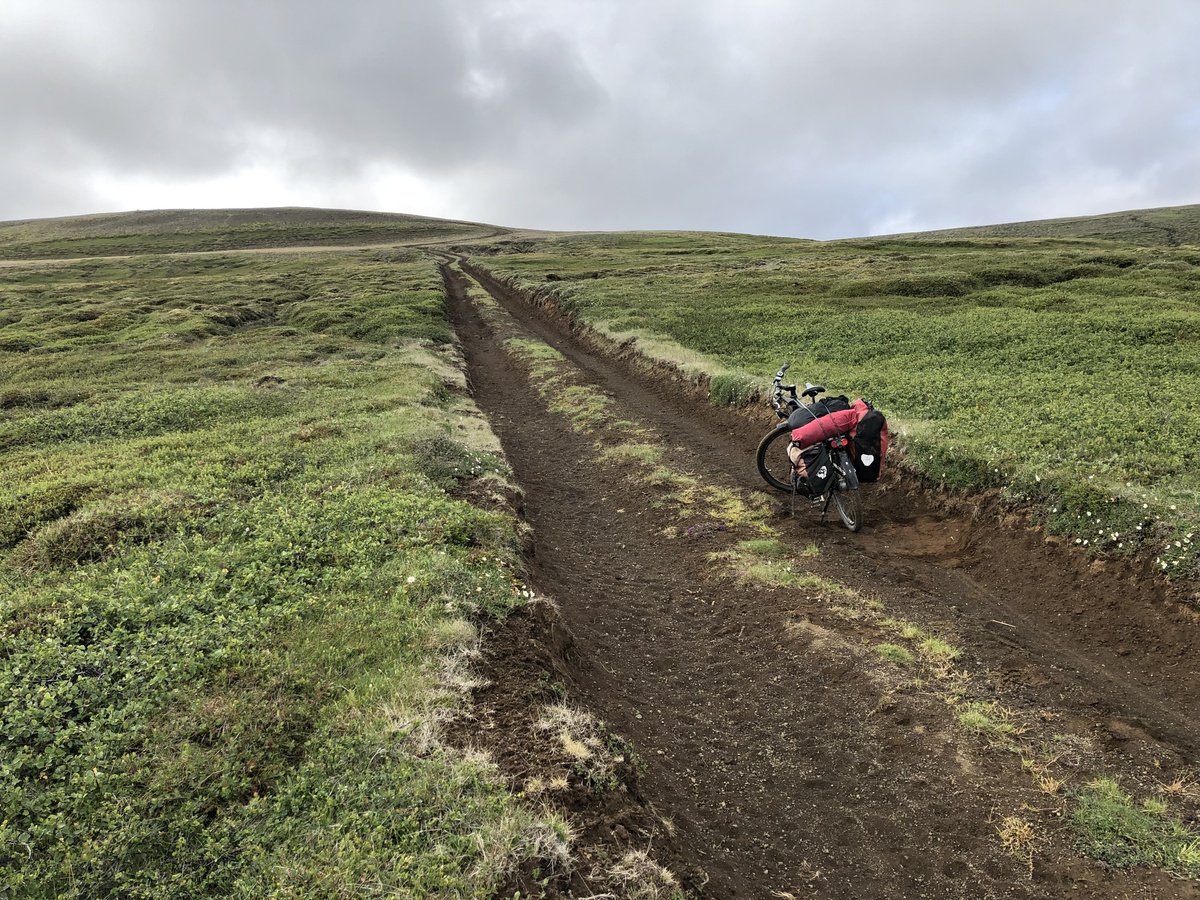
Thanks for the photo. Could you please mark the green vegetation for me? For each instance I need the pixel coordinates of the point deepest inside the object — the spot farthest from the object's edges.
(732, 390)
(936, 650)
(1122, 834)
(237, 590)
(1066, 370)
(894, 653)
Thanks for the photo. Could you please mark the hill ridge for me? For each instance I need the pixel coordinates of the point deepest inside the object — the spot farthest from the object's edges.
(1172, 226)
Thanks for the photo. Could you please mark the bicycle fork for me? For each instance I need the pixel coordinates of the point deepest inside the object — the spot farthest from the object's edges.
(847, 478)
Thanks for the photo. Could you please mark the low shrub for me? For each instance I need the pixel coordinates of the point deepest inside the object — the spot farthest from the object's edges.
(732, 390)
(98, 530)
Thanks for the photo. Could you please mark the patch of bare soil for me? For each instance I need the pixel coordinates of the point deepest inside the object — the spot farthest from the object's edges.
(775, 756)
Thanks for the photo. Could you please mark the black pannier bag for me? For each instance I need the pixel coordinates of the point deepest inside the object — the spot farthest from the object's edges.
(818, 470)
(870, 445)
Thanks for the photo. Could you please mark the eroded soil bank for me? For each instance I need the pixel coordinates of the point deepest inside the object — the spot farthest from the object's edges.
(780, 755)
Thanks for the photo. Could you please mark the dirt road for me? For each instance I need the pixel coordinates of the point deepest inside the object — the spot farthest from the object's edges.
(781, 753)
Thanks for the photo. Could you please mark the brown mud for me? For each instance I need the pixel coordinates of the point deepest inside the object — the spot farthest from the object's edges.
(774, 757)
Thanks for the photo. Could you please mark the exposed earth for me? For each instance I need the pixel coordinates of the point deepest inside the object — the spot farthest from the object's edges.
(777, 753)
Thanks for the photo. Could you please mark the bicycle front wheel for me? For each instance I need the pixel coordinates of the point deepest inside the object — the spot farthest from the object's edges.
(773, 462)
(849, 507)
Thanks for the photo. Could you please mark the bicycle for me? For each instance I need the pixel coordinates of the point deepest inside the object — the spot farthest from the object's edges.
(838, 486)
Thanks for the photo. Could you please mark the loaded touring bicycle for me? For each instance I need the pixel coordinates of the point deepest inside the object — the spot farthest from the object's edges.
(823, 448)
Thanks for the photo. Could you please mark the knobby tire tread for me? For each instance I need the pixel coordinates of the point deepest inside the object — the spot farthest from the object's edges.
(849, 508)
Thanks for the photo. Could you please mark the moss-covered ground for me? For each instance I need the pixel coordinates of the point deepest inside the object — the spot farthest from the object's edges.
(238, 593)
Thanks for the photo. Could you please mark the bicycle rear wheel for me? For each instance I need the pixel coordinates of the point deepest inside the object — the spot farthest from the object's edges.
(773, 462)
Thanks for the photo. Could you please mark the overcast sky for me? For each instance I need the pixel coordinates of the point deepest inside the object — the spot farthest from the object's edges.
(808, 118)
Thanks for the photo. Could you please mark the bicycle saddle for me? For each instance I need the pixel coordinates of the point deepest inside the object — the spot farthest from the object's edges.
(811, 390)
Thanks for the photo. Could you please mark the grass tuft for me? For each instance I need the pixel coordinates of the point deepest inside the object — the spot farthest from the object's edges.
(894, 653)
(1115, 830)
(1019, 837)
(989, 720)
(639, 877)
(938, 651)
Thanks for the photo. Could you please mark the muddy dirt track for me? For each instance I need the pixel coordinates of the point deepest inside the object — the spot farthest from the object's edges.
(781, 757)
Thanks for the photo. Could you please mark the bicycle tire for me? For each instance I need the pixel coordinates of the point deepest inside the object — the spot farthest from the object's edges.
(849, 507)
(773, 463)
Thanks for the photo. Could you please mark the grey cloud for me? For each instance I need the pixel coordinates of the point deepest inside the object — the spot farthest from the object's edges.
(806, 117)
(197, 85)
